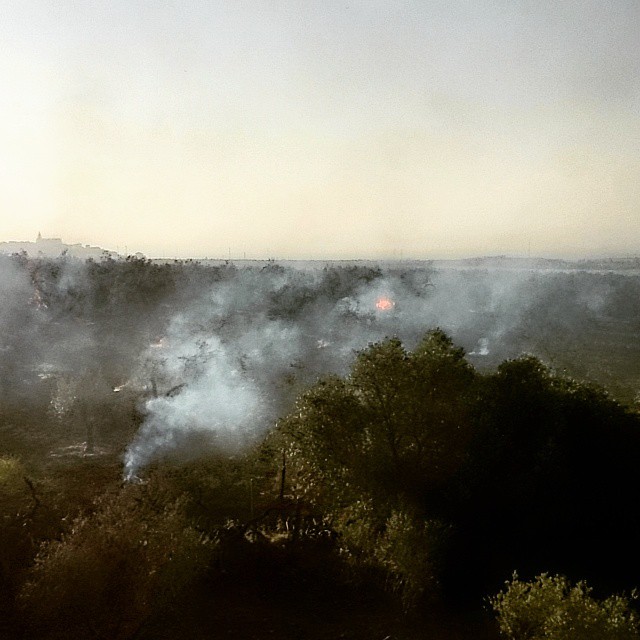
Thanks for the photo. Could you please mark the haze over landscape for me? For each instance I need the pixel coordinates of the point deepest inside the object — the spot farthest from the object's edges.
(313, 130)
(319, 320)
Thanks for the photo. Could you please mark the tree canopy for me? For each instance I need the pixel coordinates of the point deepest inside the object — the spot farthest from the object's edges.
(522, 468)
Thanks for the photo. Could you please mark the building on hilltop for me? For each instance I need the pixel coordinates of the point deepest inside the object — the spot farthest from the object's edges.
(53, 248)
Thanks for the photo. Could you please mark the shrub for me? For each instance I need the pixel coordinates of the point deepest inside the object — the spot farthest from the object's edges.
(551, 608)
(410, 550)
(406, 547)
(115, 569)
(18, 505)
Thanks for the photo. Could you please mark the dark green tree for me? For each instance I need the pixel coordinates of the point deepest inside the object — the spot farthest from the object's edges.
(378, 452)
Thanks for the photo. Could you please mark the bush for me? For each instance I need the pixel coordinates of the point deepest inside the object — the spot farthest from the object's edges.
(551, 608)
(18, 505)
(410, 550)
(14, 493)
(405, 546)
(115, 569)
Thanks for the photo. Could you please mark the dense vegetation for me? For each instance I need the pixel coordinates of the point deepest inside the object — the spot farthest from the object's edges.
(551, 608)
(389, 493)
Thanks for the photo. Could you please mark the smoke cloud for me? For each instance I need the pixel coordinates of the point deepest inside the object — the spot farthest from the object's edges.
(214, 354)
(237, 354)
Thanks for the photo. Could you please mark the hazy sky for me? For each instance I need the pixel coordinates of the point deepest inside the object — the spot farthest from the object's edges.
(281, 128)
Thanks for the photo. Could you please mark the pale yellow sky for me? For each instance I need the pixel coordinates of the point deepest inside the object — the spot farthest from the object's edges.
(322, 130)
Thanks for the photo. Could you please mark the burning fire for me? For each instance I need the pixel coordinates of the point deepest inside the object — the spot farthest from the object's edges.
(385, 304)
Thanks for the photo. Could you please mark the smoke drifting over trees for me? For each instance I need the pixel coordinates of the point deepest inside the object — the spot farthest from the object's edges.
(213, 354)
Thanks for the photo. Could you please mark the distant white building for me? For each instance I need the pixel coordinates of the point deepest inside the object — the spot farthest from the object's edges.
(52, 248)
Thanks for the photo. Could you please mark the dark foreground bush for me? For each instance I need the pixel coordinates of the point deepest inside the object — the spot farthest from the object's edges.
(115, 570)
(551, 608)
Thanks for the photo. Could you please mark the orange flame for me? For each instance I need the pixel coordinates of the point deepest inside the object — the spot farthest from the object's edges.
(385, 304)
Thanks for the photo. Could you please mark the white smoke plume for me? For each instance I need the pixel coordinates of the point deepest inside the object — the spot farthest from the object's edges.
(214, 354)
(221, 370)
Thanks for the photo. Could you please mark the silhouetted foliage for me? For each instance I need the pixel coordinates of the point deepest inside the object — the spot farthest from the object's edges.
(550, 478)
(551, 608)
(114, 569)
(521, 468)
